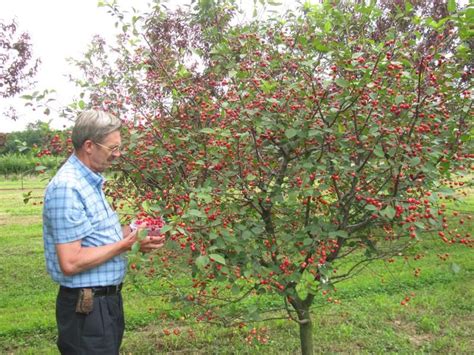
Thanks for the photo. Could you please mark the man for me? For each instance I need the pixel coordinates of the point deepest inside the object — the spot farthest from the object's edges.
(84, 242)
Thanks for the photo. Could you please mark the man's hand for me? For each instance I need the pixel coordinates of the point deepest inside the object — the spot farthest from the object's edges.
(152, 242)
(130, 239)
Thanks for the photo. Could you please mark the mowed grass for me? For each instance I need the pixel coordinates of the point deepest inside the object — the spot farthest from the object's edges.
(438, 318)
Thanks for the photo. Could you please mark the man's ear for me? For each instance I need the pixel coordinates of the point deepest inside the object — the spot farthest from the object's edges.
(87, 146)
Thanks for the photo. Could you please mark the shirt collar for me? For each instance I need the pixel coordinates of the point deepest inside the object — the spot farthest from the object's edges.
(91, 177)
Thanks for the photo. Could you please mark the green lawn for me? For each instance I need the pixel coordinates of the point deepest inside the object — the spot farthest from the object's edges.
(370, 319)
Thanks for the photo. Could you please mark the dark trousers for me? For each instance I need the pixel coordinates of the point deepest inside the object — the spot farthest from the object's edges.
(99, 332)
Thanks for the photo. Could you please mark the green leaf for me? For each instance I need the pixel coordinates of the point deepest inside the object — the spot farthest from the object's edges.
(430, 91)
(342, 82)
(378, 151)
(142, 233)
(414, 161)
(27, 196)
(291, 132)
(205, 197)
(196, 213)
(357, 55)
(388, 212)
(181, 230)
(165, 228)
(301, 290)
(135, 247)
(319, 46)
(208, 130)
(419, 225)
(451, 5)
(217, 258)
(202, 261)
(268, 87)
(399, 99)
(327, 26)
(235, 289)
(182, 72)
(146, 205)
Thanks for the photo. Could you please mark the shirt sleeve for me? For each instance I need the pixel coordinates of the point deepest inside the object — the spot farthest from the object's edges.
(67, 214)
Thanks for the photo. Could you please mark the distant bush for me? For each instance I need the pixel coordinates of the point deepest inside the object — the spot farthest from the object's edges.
(27, 164)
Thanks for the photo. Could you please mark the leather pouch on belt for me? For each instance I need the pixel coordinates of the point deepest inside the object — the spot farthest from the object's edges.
(85, 301)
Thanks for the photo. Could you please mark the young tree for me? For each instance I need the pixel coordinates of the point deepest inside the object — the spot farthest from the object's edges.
(287, 154)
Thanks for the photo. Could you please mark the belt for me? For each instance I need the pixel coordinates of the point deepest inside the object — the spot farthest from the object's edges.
(96, 290)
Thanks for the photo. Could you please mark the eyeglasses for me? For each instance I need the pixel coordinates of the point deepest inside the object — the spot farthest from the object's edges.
(115, 149)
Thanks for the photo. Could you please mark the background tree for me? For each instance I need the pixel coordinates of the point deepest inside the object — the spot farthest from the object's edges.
(288, 154)
(17, 66)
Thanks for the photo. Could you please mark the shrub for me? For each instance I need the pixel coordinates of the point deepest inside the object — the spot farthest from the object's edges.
(27, 164)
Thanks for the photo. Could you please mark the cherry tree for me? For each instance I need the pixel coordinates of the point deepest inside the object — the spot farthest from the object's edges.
(287, 154)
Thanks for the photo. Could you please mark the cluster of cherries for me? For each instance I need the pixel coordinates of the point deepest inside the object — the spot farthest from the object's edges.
(150, 223)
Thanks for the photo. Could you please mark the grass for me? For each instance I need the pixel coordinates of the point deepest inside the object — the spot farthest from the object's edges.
(439, 318)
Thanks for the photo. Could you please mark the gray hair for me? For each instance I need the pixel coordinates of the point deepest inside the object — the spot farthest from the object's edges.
(94, 125)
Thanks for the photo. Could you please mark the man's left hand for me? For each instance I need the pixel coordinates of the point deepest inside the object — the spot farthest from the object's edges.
(152, 242)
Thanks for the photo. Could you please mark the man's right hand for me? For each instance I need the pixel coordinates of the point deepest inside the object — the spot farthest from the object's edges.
(130, 239)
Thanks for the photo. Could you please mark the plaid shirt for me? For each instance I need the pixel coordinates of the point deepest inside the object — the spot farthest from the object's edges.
(75, 208)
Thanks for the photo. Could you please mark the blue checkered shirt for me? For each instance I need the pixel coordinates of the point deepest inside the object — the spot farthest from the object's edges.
(75, 208)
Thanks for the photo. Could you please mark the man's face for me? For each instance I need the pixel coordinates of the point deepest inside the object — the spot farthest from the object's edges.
(103, 153)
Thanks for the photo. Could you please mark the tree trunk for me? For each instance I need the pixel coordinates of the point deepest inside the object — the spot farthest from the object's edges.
(302, 308)
(306, 326)
(306, 331)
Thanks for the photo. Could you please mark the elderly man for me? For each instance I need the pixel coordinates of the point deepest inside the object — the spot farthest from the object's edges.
(85, 243)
